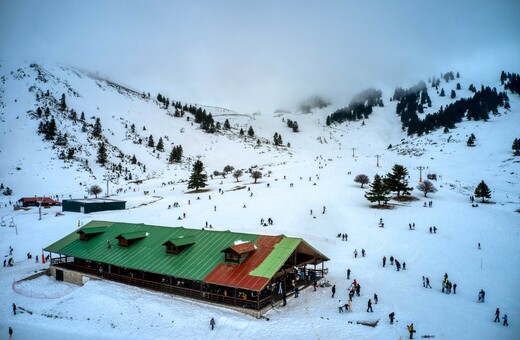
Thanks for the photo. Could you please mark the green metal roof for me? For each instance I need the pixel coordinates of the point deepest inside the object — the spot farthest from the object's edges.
(277, 257)
(94, 230)
(147, 254)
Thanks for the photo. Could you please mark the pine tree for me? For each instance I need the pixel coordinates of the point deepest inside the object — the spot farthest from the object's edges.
(151, 142)
(250, 131)
(516, 147)
(133, 160)
(227, 126)
(82, 116)
(453, 94)
(458, 86)
(442, 93)
(97, 130)
(397, 180)
(198, 176)
(378, 192)
(241, 132)
(160, 145)
(482, 191)
(63, 102)
(50, 129)
(175, 154)
(102, 154)
(295, 127)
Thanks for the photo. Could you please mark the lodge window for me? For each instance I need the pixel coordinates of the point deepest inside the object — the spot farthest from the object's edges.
(232, 257)
(123, 242)
(171, 249)
(83, 237)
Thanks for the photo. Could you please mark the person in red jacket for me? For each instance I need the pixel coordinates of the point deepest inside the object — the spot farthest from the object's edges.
(497, 315)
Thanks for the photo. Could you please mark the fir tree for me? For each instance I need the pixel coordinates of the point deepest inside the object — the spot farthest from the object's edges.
(442, 93)
(63, 102)
(516, 147)
(241, 132)
(102, 154)
(482, 191)
(151, 142)
(227, 126)
(250, 131)
(82, 116)
(378, 192)
(97, 130)
(160, 145)
(198, 176)
(295, 127)
(453, 94)
(397, 180)
(133, 160)
(175, 154)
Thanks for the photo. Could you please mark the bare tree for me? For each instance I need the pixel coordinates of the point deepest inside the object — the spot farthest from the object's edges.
(237, 174)
(228, 169)
(95, 190)
(217, 173)
(426, 186)
(362, 178)
(256, 175)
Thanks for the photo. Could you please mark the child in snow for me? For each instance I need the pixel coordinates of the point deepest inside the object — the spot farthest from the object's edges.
(212, 323)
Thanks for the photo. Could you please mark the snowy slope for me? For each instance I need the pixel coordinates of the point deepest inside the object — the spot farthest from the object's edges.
(317, 163)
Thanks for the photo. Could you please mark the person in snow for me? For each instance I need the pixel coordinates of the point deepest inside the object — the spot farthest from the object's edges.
(428, 283)
(434, 229)
(333, 290)
(423, 282)
(505, 320)
(348, 274)
(358, 289)
(314, 284)
(340, 306)
(384, 261)
(391, 316)
(404, 265)
(411, 330)
(454, 288)
(363, 252)
(391, 260)
(397, 265)
(10, 333)
(497, 315)
(355, 252)
(14, 309)
(212, 323)
(284, 299)
(369, 306)
(375, 298)
(481, 295)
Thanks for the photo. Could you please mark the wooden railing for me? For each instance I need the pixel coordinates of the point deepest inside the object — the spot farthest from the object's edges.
(164, 287)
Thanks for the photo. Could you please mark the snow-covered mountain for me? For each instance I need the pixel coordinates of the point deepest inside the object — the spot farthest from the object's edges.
(320, 163)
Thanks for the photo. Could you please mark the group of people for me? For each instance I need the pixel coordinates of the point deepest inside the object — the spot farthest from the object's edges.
(269, 222)
(363, 252)
(344, 236)
(398, 265)
(447, 286)
(497, 317)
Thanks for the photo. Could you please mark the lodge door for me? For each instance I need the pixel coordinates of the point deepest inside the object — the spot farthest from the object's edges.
(59, 275)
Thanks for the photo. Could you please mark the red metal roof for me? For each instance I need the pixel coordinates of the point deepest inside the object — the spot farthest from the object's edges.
(237, 275)
(44, 200)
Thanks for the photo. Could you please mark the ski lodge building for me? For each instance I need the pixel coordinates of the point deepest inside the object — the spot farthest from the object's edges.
(35, 202)
(228, 268)
(88, 205)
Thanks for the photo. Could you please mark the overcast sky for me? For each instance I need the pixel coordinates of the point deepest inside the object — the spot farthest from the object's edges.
(263, 55)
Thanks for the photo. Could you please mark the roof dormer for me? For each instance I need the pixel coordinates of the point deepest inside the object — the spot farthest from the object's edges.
(238, 252)
(177, 245)
(127, 239)
(86, 234)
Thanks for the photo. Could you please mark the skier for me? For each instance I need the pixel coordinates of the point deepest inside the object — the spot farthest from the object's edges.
(375, 298)
(212, 323)
(384, 261)
(340, 306)
(391, 260)
(428, 283)
(369, 308)
(481, 296)
(363, 252)
(505, 320)
(14, 309)
(334, 291)
(497, 315)
(355, 253)
(391, 316)
(348, 274)
(411, 330)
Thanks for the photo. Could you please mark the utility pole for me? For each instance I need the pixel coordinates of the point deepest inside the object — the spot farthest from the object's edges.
(421, 168)
(40, 200)
(353, 152)
(378, 160)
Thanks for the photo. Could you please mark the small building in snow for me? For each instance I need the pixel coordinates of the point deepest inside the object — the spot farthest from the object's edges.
(35, 202)
(89, 205)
